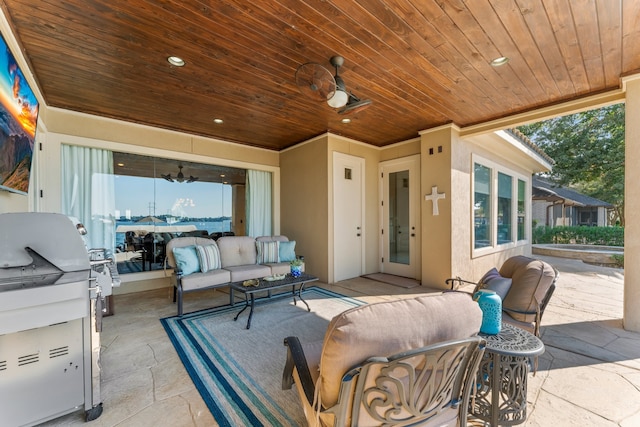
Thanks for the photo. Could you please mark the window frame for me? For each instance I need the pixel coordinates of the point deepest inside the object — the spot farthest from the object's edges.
(496, 169)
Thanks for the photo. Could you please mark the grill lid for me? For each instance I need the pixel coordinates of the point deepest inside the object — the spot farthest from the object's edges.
(35, 243)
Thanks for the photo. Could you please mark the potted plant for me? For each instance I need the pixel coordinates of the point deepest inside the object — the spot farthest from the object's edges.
(296, 267)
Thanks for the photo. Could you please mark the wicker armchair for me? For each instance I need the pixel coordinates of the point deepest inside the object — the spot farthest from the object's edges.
(406, 362)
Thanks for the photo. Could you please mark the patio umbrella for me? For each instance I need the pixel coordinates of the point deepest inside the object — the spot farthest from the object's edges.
(149, 220)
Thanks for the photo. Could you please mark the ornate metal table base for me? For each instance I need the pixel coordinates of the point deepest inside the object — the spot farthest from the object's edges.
(500, 397)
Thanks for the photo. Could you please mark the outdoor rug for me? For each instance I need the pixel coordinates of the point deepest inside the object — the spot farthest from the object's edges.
(403, 282)
(238, 372)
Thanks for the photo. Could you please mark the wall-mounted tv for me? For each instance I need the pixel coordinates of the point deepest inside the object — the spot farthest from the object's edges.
(18, 118)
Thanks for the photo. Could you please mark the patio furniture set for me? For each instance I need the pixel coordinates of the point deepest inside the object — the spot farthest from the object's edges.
(201, 263)
(417, 361)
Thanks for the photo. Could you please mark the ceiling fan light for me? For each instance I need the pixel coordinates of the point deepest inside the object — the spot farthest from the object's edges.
(339, 99)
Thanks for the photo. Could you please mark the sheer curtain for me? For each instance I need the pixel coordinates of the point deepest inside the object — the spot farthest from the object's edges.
(258, 201)
(88, 192)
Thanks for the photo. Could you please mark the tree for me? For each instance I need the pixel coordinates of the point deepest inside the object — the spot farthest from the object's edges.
(588, 149)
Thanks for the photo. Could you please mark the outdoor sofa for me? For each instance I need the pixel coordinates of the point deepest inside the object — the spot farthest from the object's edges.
(201, 263)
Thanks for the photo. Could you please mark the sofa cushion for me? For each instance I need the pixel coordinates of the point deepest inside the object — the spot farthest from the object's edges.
(390, 327)
(241, 273)
(267, 252)
(205, 280)
(209, 257)
(287, 251)
(531, 279)
(237, 250)
(186, 259)
(178, 242)
(272, 239)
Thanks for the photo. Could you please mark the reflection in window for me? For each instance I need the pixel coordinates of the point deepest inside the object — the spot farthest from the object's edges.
(499, 206)
(158, 199)
(505, 188)
(482, 206)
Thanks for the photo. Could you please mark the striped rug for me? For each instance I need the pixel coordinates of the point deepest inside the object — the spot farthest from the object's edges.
(237, 371)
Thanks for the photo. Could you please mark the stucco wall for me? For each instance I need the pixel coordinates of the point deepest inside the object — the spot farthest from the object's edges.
(464, 262)
(304, 200)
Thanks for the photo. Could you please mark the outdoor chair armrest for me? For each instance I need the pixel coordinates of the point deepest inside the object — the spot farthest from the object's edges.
(453, 280)
(295, 357)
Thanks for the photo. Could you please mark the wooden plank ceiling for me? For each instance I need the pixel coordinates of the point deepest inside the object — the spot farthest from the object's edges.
(422, 63)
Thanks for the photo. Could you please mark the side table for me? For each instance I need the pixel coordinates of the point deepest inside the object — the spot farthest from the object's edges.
(500, 397)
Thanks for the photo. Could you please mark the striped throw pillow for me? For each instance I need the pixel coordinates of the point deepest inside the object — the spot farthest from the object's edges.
(209, 257)
(268, 252)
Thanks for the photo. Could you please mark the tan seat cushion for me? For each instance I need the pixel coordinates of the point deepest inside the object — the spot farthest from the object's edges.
(530, 280)
(237, 250)
(205, 280)
(245, 272)
(390, 327)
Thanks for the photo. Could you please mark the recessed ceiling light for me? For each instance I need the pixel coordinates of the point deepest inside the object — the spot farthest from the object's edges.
(222, 175)
(176, 61)
(499, 61)
(121, 164)
(346, 121)
(218, 121)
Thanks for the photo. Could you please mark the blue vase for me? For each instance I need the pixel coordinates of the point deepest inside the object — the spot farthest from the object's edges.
(491, 306)
(296, 270)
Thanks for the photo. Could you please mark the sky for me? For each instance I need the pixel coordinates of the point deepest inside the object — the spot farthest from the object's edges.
(149, 196)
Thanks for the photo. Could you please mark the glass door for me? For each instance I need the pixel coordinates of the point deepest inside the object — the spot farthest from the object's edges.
(400, 228)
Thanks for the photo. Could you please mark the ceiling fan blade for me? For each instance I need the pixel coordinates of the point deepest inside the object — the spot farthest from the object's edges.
(354, 105)
(315, 81)
(167, 177)
(192, 179)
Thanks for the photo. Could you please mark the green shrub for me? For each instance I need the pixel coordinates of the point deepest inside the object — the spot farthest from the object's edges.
(619, 260)
(603, 236)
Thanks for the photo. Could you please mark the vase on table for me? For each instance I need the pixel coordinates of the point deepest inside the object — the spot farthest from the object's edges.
(296, 270)
(491, 305)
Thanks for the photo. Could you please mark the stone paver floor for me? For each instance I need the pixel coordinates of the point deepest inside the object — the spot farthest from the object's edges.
(588, 376)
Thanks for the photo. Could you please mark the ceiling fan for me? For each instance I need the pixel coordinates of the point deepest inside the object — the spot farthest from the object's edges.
(180, 177)
(316, 81)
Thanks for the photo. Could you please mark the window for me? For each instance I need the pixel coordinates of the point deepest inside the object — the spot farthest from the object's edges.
(500, 206)
(482, 206)
(505, 208)
(522, 191)
(135, 204)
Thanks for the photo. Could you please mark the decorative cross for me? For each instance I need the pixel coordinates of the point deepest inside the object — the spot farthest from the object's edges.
(434, 197)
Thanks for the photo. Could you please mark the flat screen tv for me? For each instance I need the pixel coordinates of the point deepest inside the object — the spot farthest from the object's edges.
(18, 118)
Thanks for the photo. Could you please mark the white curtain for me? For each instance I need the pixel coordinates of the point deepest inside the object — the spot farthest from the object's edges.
(258, 203)
(88, 192)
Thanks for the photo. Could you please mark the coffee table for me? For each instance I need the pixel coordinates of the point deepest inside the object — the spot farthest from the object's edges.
(296, 283)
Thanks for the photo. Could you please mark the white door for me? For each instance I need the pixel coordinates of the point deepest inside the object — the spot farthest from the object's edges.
(400, 228)
(348, 200)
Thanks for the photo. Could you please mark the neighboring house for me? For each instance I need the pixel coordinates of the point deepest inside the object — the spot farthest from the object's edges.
(554, 205)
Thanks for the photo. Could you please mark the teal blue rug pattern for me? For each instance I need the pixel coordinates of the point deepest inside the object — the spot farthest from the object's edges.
(238, 372)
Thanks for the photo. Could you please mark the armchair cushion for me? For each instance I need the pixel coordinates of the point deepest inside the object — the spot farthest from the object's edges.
(531, 279)
(391, 327)
(492, 280)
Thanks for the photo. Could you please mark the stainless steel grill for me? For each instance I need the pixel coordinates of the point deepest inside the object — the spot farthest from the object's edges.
(52, 290)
